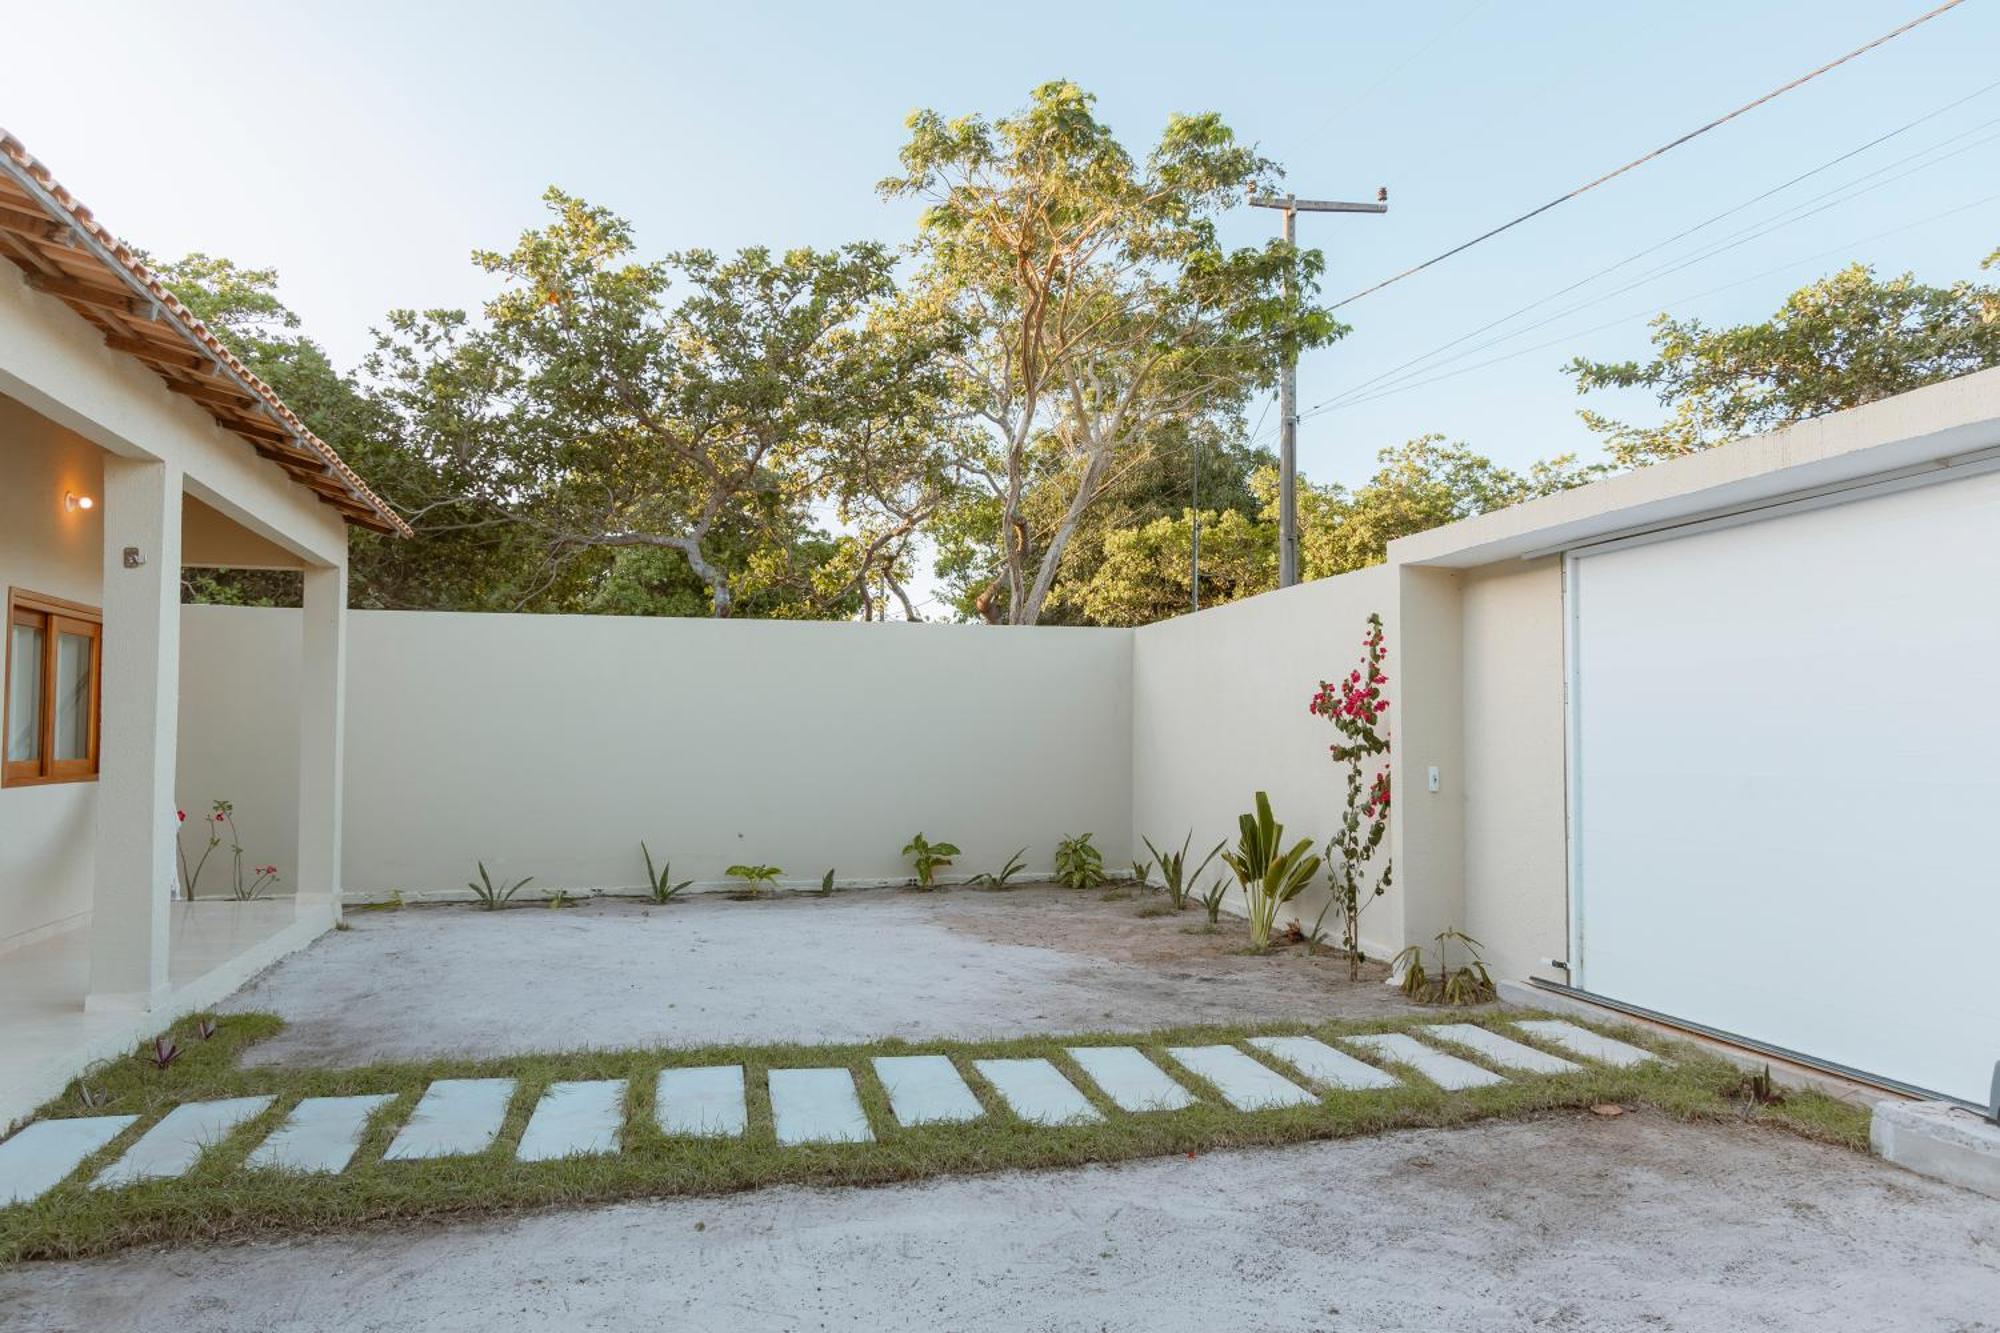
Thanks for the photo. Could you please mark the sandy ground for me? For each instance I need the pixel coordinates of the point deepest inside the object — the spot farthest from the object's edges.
(437, 981)
(1569, 1223)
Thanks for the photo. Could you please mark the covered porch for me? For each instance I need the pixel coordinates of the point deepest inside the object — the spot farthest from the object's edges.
(134, 447)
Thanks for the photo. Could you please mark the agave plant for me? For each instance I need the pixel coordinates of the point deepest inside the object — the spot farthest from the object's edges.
(494, 895)
(660, 883)
(1271, 876)
(1179, 880)
(1015, 865)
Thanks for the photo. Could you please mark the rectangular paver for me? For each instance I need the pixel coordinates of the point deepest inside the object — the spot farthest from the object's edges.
(41, 1156)
(817, 1106)
(320, 1134)
(455, 1116)
(1447, 1071)
(1037, 1092)
(926, 1090)
(1324, 1065)
(574, 1119)
(1130, 1079)
(706, 1100)
(172, 1146)
(1501, 1051)
(1243, 1082)
(1582, 1041)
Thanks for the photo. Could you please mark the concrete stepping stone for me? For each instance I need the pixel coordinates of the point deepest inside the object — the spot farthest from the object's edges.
(456, 1116)
(926, 1090)
(1503, 1052)
(1243, 1082)
(574, 1119)
(1130, 1080)
(41, 1156)
(817, 1106)
(1036, 1091)
(705, 1101)
(1582, 1041)
(172, 1146)
(320, 1134)
(1324, 1065)
(1447, 1071)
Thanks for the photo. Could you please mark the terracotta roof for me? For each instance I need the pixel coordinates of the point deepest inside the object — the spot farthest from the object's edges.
(66, 254)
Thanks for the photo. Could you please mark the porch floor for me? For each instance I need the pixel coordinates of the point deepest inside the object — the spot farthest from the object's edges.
(47, 1037)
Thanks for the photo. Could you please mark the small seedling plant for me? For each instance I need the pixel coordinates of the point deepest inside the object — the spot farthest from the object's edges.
(1174, 874)
(661, 885)
(1457, 987)
(998, 880)
(1079, 865)
(759, 879)
(1213, 899)
(1357, 710)
(929, 858)
(558, 900)
(495, 894)
(1271, 875)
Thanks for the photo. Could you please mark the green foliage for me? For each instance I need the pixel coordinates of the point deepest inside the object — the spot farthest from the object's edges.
(1099, 309)
(826, 881)
(495, 895)
(1844, 340)
(660, 883)
(1015, 865)
(1271, 874)
(1178, 879)
(1079, 865)
(558, 899)
(1456, 987)
(759, 878)
(1212, 900)
(930, 857)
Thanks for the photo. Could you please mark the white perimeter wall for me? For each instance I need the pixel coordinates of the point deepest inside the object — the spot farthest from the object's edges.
(1219, 702)
(550, 745)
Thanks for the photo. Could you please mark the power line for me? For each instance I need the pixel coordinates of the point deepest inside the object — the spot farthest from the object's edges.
(1641, 160)
(1683, 234)
(1796, 213)
(1392, 390)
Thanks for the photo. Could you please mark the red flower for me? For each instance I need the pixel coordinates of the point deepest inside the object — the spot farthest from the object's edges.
(182, 815)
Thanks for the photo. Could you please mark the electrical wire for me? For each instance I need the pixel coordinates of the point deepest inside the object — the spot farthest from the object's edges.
(1641, 160)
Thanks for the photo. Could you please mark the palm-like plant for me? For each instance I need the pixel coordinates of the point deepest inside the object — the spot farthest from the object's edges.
(1173, 869)
(661, 883)
(1270, 874)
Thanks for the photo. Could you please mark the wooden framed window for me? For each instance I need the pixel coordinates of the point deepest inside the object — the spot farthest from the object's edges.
(55, 668)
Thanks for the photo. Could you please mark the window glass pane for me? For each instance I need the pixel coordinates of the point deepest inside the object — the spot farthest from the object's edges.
(72, 738)
(24, 693)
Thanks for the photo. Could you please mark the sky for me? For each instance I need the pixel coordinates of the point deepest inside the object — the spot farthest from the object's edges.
(364, 149)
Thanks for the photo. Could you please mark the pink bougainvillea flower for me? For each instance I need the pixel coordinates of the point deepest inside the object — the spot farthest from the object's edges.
(182, 815)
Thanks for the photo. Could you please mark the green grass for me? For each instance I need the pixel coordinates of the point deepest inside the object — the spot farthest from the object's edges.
(220, 1200)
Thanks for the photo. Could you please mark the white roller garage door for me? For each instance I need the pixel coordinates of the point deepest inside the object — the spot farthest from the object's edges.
(1785, 779)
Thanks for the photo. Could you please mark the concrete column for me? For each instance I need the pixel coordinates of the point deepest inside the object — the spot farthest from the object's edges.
(1426, 638)
(322, 726)
(141, 698)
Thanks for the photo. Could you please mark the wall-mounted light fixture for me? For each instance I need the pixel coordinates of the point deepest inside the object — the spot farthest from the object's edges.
(73, 502)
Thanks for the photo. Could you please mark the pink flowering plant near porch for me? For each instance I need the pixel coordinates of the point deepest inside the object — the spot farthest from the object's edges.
(1358, 712)
(248, 882)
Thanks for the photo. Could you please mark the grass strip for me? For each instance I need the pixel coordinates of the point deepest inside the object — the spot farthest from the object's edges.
(222, 1200)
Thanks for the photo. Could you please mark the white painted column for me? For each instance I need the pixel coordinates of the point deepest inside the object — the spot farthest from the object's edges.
(322, 727)
(141, 692)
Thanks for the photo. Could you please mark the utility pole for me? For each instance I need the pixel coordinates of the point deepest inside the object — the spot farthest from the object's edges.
(1288, 388)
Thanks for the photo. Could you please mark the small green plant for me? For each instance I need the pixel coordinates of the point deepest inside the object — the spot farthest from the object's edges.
(1456, 987)
(930, 857)
(1174, 874)
(558, 900)
(1270, 876)
(826, 881)
(1142, 872)
(1013, 867)
(1213, 899)
(494, 896)
(1078, 864)
(660, 883)
(759, 878)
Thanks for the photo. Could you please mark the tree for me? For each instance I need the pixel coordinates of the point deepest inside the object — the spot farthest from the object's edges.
(590, 412)
(1837, 343)
(1096, 305)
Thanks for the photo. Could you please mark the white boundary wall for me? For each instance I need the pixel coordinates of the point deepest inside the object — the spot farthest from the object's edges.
(550, 745)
